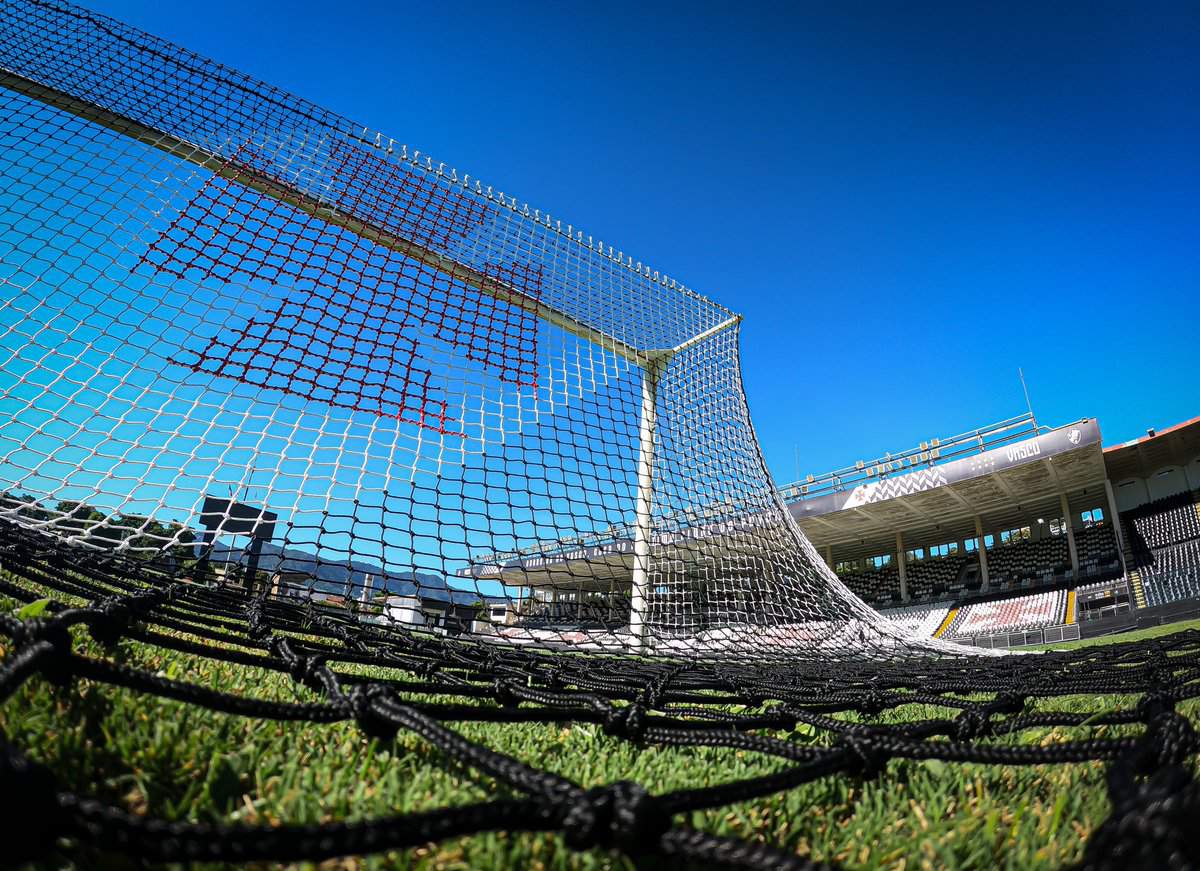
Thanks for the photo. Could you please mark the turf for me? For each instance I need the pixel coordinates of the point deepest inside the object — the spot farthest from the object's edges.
(167, 759)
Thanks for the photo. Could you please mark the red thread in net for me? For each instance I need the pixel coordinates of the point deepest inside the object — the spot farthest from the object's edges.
(360, 319)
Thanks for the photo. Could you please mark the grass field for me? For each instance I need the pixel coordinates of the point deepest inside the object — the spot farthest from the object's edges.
(171, 760)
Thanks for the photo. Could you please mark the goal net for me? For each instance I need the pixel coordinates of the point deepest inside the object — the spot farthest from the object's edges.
(254, 345)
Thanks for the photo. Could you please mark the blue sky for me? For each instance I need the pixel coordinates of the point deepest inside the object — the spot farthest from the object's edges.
(907, 202)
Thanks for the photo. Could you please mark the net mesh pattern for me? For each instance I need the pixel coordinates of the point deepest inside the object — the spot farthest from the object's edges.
(279, 391)
(455, 412)
(436, 685)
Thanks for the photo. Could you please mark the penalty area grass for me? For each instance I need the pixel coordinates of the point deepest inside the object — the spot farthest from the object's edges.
(170, 760)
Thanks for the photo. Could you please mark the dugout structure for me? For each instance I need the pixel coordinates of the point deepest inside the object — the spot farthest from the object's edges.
(213, 286)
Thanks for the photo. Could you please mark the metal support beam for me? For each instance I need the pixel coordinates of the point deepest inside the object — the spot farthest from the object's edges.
(998, 479)
(1115, 519)
(311, 205)
(644, 503)
(981, 548)
(901, 567)
(1066, 510)
(700, 337)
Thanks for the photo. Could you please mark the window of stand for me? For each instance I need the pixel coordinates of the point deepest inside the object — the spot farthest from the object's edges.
(916, 554)
(944, 550)
(1012, 536)
(1092, 517)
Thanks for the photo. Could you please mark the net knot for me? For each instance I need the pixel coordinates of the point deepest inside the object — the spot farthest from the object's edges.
(869, 759)
(1152, 822)
(1162, 675)
(627, 722)
(360, 703)
(873, 702)
(28, 828)
(109, 620)
(502, 690)
(1169, 740)
(621, 815)
(1153, 704)
(51, 631)
(303, 669)
(256, 624)
(972, 723)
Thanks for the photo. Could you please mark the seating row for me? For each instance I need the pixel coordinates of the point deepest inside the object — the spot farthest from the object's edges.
(1097, 550)
(1014, 566)
(1161, 523)
(1028, 563)
(919, 621)
(1009, 615)
(1170, 573)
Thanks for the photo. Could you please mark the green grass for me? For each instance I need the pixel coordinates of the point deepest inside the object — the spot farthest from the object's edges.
(1136, 635)
(171, 760)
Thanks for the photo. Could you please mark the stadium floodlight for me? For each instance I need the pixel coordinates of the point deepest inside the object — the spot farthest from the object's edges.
(213, 284)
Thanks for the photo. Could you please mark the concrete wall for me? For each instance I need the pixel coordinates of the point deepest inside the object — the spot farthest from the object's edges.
(404, 609)
(1167, 481)
(1193, 473)
(1130, 493)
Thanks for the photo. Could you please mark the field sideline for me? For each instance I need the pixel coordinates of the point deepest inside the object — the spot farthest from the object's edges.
(155, 756)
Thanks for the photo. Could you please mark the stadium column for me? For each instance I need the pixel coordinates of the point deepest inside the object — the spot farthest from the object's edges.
(900, 566)
(1066, 510)
(1115, 519)
(981, 549)
(645, 499)
(829, 556)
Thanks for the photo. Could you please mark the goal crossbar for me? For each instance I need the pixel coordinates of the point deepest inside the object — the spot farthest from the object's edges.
(311, 205)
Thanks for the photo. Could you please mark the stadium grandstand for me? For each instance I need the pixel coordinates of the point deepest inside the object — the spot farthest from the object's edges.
(1016, 534)
(1003, 536)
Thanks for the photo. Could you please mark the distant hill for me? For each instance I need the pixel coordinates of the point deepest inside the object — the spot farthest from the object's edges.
(345, 578)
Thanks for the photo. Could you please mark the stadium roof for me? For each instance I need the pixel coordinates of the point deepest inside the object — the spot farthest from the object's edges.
(1008, 474)
(1001, 484)
(1142, 457)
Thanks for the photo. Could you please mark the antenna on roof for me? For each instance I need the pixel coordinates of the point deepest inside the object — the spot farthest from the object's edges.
(1028, 404)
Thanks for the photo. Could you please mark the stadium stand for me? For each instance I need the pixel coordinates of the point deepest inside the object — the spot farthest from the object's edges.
(920, 621)
(1171, 573)
(1164, 544)
(584, 615)
(878, 587)
(906, 532)
(1098, 553)
(1163, 522)
(1019, 565)
(1029, 563)
(937, 578)
(1010, 615)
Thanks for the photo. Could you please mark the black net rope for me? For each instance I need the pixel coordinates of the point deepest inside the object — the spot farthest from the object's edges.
(228, 314)
(1155, 798)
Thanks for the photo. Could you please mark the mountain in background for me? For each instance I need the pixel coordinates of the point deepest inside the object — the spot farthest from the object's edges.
(345, 578)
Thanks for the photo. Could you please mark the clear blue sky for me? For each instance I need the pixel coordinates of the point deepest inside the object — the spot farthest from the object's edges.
(906, 201)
